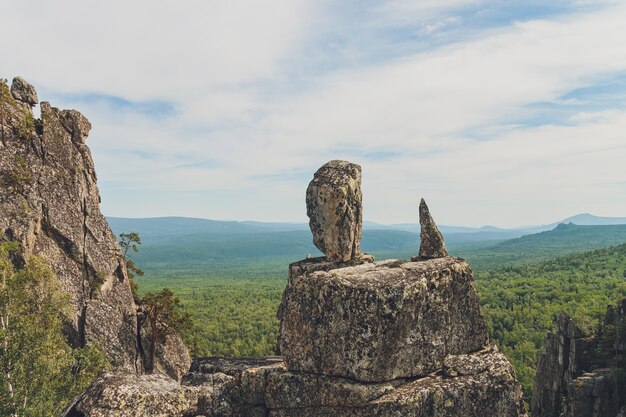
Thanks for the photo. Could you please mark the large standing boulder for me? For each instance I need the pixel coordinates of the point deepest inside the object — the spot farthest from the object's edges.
(334, 207)
(380, 321)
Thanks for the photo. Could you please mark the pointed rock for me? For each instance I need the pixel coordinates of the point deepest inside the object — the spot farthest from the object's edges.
(432, 244)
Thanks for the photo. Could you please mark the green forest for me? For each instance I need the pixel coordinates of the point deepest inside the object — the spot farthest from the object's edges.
(523, 284)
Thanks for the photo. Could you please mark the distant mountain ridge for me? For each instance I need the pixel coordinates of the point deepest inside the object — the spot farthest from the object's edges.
(167, 226)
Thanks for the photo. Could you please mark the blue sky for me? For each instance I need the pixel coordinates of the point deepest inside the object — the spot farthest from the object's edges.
(497, 112)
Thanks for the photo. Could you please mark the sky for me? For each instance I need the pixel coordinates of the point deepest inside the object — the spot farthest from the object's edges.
(502, 113)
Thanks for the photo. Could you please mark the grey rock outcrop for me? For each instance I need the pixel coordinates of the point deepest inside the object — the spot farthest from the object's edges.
(22, 91)
(381, 321)
(476, 384)
(334, 207)
(432, 244)
(490, 387)
(49, 204)
(155, 395)
(573, 378)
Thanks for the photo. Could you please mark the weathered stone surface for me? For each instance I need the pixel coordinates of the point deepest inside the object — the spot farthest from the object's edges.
(251, 376)
(333, 201)
(381, 321)
(22, 91)
(488, 388)
(593, 394)
(432, 244)
(565, 353)
(293, 390)
(477, 384)
(172, 355)
(156, 395)
(233, 366)
(50, 204)
(308, 266)
(569, 381)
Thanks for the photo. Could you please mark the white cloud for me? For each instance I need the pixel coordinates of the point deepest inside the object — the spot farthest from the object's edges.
(252, 110)
(151, 49)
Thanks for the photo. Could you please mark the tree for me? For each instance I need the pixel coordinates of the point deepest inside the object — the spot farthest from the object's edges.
(40, 371)
(163, 315)
(130, 242)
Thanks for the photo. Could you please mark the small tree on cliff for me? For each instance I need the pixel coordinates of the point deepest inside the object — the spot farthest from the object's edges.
(129, 242)
(163, 315)
(40, 372)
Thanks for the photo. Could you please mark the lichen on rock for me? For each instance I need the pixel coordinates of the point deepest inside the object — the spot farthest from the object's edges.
(50, 205)
(432, 244)
(334, 207)
(381, 321)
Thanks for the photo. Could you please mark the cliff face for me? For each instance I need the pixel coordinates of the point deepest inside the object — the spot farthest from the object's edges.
(49, 203)
(578, 375)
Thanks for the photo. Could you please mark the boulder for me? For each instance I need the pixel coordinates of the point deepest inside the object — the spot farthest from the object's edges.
(432, 244)
(380, 321)
(22, 91)
(156, 395)
(251, 376)
(334, 207)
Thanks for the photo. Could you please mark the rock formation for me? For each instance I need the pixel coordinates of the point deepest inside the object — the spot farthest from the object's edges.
(22, 91)
(432, 244)
(49, 204)
(478, 384)
(333, 201)
(357, 338)
(126, 395)
(574, 377)
(381, 321)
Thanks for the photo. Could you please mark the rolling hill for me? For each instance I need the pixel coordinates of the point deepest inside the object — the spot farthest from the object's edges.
(182, 245)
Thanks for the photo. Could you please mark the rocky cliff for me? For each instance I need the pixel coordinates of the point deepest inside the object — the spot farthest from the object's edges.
(358, 338)
(49, 204)
(582, 375)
